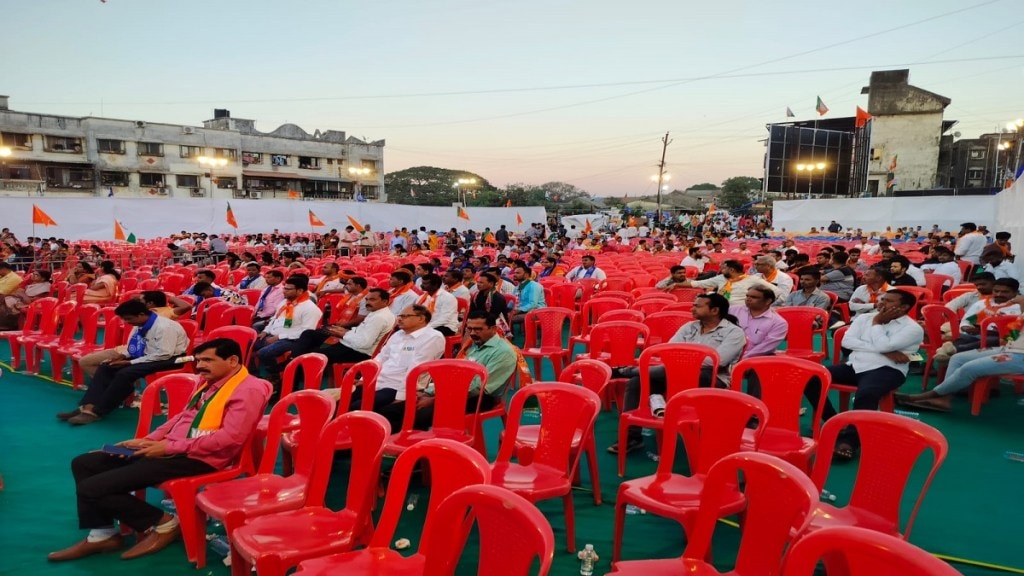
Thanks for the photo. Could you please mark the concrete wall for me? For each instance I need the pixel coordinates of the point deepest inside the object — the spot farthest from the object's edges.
(915, 139)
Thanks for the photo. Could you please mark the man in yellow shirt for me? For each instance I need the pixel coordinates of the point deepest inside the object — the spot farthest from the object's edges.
(9, 281)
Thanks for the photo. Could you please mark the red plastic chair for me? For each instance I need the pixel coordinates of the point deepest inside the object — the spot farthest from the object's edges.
(664, 325)
(851, 551)
(587, 318)
(203, 307)
(183, 492)
(620, 315)
(779, 502)
(542, 329)
(891, 446)
(239, 316)
(313, 365)
(265, 492)
(37, 313)
(982, 387)
(682, 363)
(846, 391)
(687, 294)
(652, 305)
(935, 316)
(81, 318)
(624, 295)
(617, 283)
(564, 295)
(252, 296)
(783, 381)
(450, 342)
(711, 423)
(212, 317)
(453, 466)
(800, 338)
(452, 379)
(923, 296)
(616, 344)
(113, 335)
(686, 307)
(546, 471)
(935, 283)
(176, 390)
(63, 319)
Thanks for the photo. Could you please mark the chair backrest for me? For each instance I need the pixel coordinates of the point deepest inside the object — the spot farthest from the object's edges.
(452, 379)
(244, 335)
(783, 382)
(69, 321)
(935, 282)
(213, 316)
(593, 375)
(368, 433)
(682, 362)
(620, 294)
(687, 294)
(922, 294)
(853, 551)
(564, 295)
(711, 422)
(543, 327)
(664, 325)
(239, 316)
(618, 284)
(890, 446)
(780, 501)
(594, 308)
(314, 409)
(1002, 324)
(178, 389)
(203, 306)
(567, 411)
(935, 315)
(619, 340)
(802, 331)
(617, 315)
(958, 290)
(513, 533)
(312, 364)
(366, 372)
(88, 322)
(452, 466)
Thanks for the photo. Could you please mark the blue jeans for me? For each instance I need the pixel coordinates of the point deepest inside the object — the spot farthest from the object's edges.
(268, 353)
(966, 367)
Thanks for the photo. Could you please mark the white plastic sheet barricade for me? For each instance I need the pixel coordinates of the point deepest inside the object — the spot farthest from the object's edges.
(874, 214)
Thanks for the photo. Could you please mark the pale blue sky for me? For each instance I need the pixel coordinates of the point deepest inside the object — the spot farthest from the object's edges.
(375, 69)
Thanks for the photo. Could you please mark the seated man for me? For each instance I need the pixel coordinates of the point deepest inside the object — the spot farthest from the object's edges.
(487, 298)
(712, 326)
(838, 278)
(809, 294)
(253, 280)
(732, 283)
(529, 294)
(332, 282)
(587, 269)
(351, 310)
(352, 343)
(766, 268)
(903, 272)
(495, 353)
(271, 297)
(994, 260)
(201, 276)
(944, 264)
(880, 343)
(453, 283)
(154, 344)
(412, 344)
(202, 291)
(1001, 302)
(983, 282)
(675, 279)
(294, 316)
(205, 437)
(763, 328)
(403, 292)
(865, 297)
(444, 308)
(967, 367)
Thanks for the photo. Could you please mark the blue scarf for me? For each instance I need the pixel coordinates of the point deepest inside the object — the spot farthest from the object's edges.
(244, 284)
(137, 343)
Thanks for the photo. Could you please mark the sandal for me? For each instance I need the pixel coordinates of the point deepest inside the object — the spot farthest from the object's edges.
(844, 452)
(632, 445)
(926, 404)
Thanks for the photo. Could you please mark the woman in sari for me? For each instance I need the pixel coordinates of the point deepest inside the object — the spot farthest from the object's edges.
(82, 273)
(104, 289)
(12, 306)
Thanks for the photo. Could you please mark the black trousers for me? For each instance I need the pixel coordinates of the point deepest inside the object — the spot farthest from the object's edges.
(631, 399)
(445, 330)
(111, 385)
(872, 386)
(104, 484)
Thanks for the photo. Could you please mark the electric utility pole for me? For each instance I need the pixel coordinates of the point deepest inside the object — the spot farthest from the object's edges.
(661, 175)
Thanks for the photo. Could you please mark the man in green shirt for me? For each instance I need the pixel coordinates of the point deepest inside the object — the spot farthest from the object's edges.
(495, 353)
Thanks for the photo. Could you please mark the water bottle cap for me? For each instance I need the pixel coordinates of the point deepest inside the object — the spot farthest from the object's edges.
(588, 547)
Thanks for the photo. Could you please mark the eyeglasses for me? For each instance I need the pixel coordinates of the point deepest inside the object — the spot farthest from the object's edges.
(408, 315)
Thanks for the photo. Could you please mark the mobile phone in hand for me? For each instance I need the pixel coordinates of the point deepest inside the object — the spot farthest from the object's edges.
(116, 450)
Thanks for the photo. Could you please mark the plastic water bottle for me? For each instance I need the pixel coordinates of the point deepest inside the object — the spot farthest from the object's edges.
(220, 546)
(1014, 456)
(647, 432)
(657, 402)
(826, 495)
(168, 505)
(587, 558)
(653, 456)
(635, 510)
(410, 503)
(908, 414)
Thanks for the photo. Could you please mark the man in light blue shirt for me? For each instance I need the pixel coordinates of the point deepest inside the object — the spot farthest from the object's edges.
(529, 294)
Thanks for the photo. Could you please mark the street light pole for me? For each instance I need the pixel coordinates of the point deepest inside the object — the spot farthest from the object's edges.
(810, 169)
(661, 176)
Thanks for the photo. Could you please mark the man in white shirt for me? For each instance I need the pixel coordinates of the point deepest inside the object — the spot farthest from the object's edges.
(587, 269)
(403, 291)
(765, 266)
(694, 258)
(995, 261)
(453, 284)
(733, 283)
(945, 265)
(293, 316)
(253, 280)
(444, 308)
(359, 342)
(411, 345)
(970, 244)
(741, 249)
(880, 345)
(984, 282)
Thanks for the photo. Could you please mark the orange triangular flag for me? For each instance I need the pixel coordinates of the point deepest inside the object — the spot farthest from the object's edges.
(314, 221)
(462, 213)
(40, 217)
(355, 224)
(231, 217)
(293, 195)
(588, 229)
(119, 232)
(519, 219)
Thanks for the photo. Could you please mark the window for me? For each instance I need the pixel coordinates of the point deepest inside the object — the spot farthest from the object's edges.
(228, 183)
(309, 162)
(113, 178)
(20, 141)
(279, 160)
(151, 180)
(228, 153)
(975, 174)
(252, 158)
(978, 154)
(371, 164)
(191, 151)
(330, 161)
(187, 180)
(62, 144)
(106, 146)
(369, 192)
(19, 173)
(151, 149)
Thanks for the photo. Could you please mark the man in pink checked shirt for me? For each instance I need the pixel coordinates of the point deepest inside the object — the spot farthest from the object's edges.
(207, 436)
(764, 328)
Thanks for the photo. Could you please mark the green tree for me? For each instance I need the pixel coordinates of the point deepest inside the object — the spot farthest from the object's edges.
(704, 186)
(436, 187)
(736, 191)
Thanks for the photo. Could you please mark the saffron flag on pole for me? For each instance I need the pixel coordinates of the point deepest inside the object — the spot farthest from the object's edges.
(314, 221)
(355, 224)
(231, 218)
(119, 232)
(519, 219)
(293, 195)
(821, 108)
(588, 229)
(789, 111)
(40, 217)
(462, 213)
(862, 117)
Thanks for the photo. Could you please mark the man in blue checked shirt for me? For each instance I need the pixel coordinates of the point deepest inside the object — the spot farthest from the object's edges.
(529, 294)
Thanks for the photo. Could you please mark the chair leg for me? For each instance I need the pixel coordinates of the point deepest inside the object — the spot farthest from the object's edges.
(620, 521)
(621, 452)
(239, 565)
(570, 522)
(595, 474)
(927, 371)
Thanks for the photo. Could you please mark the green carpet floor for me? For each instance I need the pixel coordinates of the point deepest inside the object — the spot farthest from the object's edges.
(971, 511)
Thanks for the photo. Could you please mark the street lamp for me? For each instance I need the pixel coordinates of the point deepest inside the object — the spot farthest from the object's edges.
(357, 174)
(660, 178)
(810, 168)
(4, 153)
(460, 186)
(212, 162)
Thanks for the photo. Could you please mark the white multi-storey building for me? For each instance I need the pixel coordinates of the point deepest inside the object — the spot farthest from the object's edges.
(224, 158)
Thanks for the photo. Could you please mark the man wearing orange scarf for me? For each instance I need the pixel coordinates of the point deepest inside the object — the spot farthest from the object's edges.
(206, 436)
(294, 316)
(402, 291)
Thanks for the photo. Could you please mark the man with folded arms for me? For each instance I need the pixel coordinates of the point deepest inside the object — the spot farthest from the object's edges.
(207, 436)
(352, 343)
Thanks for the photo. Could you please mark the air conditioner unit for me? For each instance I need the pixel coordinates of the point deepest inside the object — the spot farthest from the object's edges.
(163, 190)
(140, 124)
(255, 194)
(197, 192)
(188, 130)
